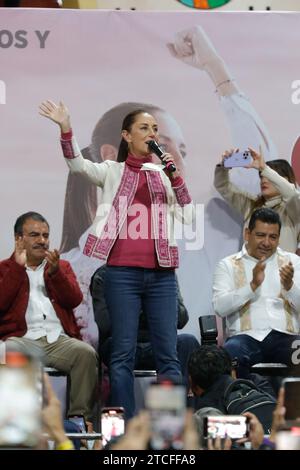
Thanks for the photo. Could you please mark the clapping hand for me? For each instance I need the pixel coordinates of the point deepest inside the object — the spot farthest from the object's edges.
(20, 252)
(286, 274)
(258, 274)
(52, 258)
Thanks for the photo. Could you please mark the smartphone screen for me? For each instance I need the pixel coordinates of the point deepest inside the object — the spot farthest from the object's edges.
(20, 404)
(235, 427)
(79, 421)
(292, 398)
(287, 440)
(112, 423)
(166, 404)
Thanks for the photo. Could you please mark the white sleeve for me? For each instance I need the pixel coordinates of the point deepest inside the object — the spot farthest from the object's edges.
(286, 189)
(226, 298)
(293, 295)
(246, 127)
(94, 172)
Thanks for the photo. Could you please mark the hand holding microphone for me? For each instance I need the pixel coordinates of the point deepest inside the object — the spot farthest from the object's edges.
(155, 148)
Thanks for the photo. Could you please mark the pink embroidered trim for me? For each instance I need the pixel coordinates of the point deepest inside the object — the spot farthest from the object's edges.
(117, 215)
(174, 256)
(89, 245)
(67, 135)
(67, 149)
(182, 195)
(159, 211)
(100, 247)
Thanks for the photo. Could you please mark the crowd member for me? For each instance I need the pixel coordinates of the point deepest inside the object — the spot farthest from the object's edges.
(257, 291)
(141, 251)
(211, 377)
(37, 294)
(278, 191)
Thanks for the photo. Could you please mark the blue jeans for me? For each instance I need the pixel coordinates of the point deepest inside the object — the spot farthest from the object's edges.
(276, 347)
(129, 290)
(144, 356)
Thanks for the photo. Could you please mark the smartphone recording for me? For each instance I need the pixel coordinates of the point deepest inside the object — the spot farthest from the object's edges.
(292, 398)
(232, 426)
(238, 159)
(20, 402)
(112, 423)
(166, 403)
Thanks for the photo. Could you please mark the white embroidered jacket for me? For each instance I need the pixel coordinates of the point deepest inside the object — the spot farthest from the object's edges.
(119, 183)
(270, 307)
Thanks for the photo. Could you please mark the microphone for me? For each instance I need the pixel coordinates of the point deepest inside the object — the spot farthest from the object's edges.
(155, 148)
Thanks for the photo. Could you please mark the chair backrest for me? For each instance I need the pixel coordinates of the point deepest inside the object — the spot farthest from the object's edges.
(208, 329)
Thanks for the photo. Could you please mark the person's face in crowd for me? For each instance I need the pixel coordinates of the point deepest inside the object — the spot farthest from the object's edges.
(263, 240)
(268, 190)
(143, 129)
(35, 238)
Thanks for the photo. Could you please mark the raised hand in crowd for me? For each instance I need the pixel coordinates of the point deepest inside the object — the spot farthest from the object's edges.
(219, 444)
(258, 161)
(137, 435)
(278, 415)
(256, 431)
(52, 418)
(190, 433)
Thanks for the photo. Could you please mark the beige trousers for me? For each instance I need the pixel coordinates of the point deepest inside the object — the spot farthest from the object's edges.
(77, 358)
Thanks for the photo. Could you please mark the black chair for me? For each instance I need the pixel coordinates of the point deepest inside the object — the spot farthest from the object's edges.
(208, 329)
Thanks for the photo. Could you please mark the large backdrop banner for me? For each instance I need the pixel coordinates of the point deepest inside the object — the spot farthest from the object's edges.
(214, 81)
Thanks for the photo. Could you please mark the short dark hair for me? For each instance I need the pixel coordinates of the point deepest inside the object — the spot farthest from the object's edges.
(18, 227)
(264, 214)
(207, 363)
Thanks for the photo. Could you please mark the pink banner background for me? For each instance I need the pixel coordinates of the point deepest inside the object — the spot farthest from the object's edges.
(93, 60)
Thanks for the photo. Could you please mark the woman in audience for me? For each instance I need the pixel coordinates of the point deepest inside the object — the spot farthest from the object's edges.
(278, 191)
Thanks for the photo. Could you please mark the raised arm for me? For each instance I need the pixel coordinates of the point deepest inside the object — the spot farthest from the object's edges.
(285, 188)
(193, 47)
(57, 113)
(239, 199)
